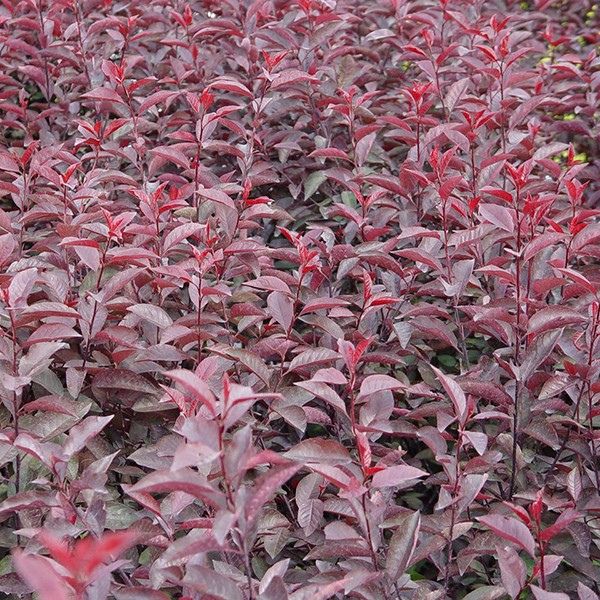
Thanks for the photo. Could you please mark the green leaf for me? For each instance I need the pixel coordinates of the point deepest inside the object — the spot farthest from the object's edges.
(313, 183)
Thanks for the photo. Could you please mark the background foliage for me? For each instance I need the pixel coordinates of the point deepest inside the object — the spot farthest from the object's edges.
(299, 299)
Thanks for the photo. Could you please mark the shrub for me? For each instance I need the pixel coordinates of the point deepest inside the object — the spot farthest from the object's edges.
(299, 299)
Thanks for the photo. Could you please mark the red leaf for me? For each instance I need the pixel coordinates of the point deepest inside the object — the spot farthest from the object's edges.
(562, 522)
(40, 575)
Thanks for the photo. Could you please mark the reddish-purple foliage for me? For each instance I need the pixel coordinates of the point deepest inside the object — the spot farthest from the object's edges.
(299, 299)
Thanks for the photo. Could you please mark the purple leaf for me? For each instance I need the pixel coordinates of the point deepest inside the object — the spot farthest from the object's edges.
(511, 530)
(266, 487)
(402, 545)
(540, 594)
(281, 309)
(182, 480)
(455, 394)
(195, 386)
(210, 582)
(378, 383)
(319, 450)
(152, 314)
(83, 432)
(397, 475)
(512, 570)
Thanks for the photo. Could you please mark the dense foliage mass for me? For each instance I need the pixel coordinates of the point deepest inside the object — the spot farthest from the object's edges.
(299, 299)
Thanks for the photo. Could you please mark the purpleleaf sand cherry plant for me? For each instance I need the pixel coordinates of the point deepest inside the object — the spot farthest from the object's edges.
(299, 299)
